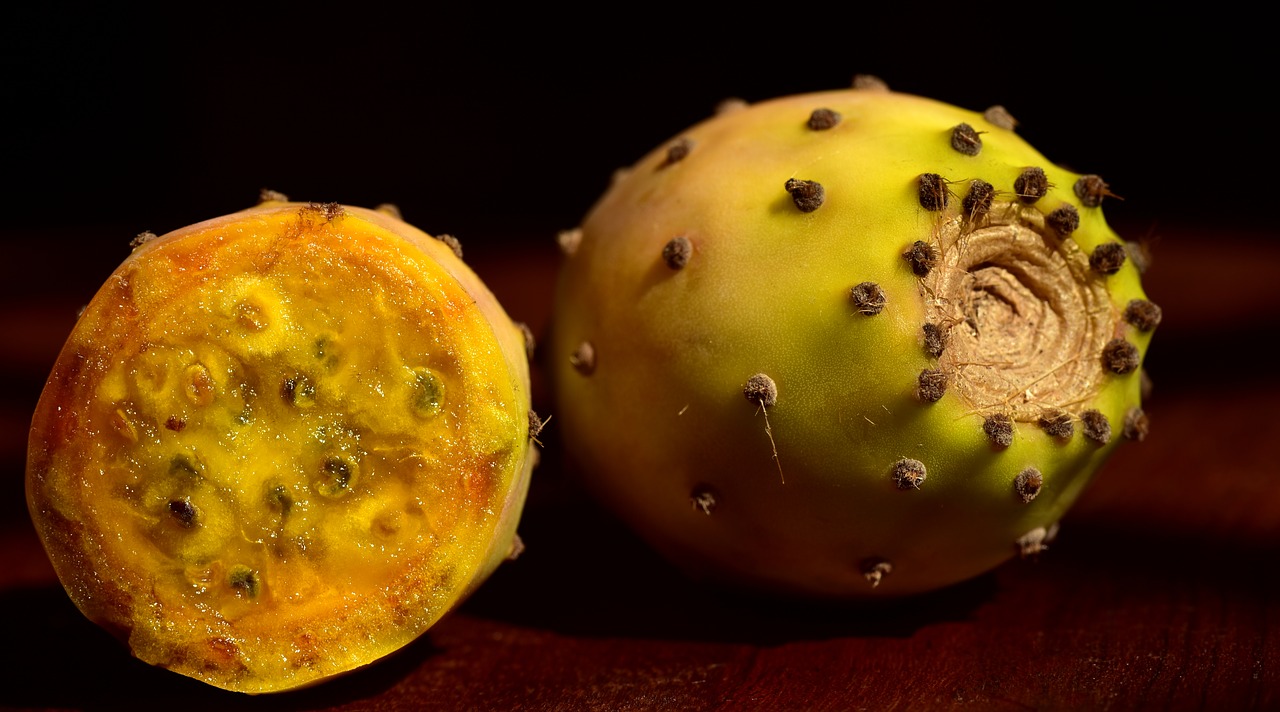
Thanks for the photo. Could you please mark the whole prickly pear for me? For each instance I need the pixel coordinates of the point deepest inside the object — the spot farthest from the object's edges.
(280, 444)
(847, 343)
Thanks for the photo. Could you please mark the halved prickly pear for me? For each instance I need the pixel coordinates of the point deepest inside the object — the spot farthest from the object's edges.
(847, 343)
(280, 444)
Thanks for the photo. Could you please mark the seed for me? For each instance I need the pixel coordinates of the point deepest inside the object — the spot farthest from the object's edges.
(868, 298)
(966, 140)
(999, 429)
(279, 499)
(931, 385)
(922, 257)
(175, 424)
(1027, 484)
(199, 387)
(244, 580)
(1107, 258)
(869, 82)
(808, 195)
(183, 511)
(823, 119)
(1120, 356)
(908, 473)
(933, 192)
(977, 203)
(1064, 220)
(454, 243)
(676, 252)
(182, 465)
(875, 569)
(999, 116)
(336, 477)
(935, 340)
(266, 195)
(298, 391)
(1031, 185)
(703, 498)
(761, 390)
(428, 393)
(1057, 424)
(1091, 189)
(1136, 425)
(583, 359)
(1096, 426)
(677, 151)
(121, 424)
(569, 240)
(1144, 315)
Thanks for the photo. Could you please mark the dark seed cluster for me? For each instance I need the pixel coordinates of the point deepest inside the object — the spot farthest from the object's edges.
(977, 202)
(808, 195)
(676, 252)
(908, 473)
(183, 511)
(1107, 258)
(999, 116)
(244, 580)
(1136, 425)
(677, 151)
(922, 257)
(1063, 220)
(966, 140)
(454, 244)
(1096, 426)
(1027, 484)
(875, 569)
(1143, 315)
(1057, 424)
(933, 192)
(1091, 189)
(998, 428)
(931, 385)
(868, 298)
(703, 498)
(823, 119)
(1120, 356)
(583, 358)
(935, 340)
(761, 390)
(1031, 185)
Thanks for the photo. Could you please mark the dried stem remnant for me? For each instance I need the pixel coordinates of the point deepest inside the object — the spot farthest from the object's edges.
(762, 391)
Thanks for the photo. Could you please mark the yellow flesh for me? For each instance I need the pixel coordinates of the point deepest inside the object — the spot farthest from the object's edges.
(285, 442)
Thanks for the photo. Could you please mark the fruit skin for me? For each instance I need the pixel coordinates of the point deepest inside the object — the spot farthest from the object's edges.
(338, 575)
(786, 217)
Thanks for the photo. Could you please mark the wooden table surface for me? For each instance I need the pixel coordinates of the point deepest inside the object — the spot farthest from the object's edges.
(1161, 592)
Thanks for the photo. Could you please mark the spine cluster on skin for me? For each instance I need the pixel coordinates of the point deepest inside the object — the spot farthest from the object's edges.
(848, 343)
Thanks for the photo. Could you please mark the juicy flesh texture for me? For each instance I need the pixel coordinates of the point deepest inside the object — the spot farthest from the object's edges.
(277, 448)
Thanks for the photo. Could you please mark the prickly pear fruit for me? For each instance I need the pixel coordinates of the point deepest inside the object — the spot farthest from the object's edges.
(281, 444)
(847, 343)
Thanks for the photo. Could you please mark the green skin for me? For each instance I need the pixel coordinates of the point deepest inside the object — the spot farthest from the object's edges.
(766, 290)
